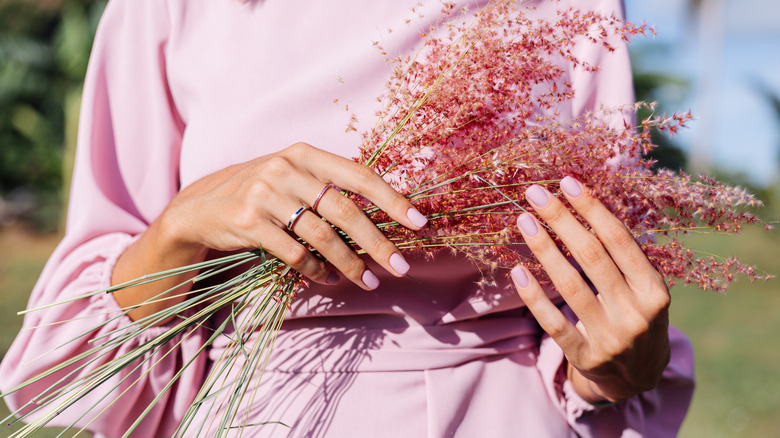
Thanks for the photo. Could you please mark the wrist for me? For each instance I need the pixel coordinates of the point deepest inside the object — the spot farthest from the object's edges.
(173, 242)
(604, 401)
(589, 390)
(158, 249)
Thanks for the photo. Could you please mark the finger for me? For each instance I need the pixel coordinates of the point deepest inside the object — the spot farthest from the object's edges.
(565, 277)
(347, 216)
(586, 249)
(549, 317)
(617, 239)
(282, 246)
(362, 180)
(298, 187)
(321, 235)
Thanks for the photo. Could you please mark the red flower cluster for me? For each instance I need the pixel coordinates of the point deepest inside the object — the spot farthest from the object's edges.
(475, 119)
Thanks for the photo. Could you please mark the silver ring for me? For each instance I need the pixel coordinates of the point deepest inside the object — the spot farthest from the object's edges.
(322, 193)
(295, 216)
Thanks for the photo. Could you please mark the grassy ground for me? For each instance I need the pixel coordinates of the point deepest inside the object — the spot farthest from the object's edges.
(22, 256)
(734, 335)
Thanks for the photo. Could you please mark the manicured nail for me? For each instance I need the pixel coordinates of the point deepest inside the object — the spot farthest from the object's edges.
(527, 223)
(519, 276)
(416, 218)
(537, 195)
(571, 187)
(399, 264)
(333, 278)
(370, 280)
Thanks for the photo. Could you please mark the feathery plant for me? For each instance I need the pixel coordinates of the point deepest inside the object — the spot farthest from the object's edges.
(469, 123)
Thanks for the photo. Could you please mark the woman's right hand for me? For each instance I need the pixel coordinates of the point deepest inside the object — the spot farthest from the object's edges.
(248, 205)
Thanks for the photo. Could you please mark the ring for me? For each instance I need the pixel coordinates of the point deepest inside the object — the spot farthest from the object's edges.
(322, 193)
(295, 216)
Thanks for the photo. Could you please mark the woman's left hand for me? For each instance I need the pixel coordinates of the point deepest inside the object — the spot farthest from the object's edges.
(620, 346)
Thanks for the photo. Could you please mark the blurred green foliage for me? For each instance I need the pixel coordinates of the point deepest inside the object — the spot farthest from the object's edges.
(654, 86)
(44, 49)
(646, 88)
(666, 91)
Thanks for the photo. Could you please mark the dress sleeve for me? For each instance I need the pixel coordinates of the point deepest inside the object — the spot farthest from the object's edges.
(659, 412)
(126, 172)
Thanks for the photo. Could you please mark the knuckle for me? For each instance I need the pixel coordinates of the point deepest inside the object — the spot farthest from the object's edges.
(399, 203)
(656, 299)
(245, 218)
(380, 245)
(258, 189)
(556, 329)
(659, 283)
(556, 213)
(661, 303)
(347, 209)
(353, 268)
(632, 326)
(620, 237)
(320, 233)
(277, 167)
(570, 285)
(364, 176)
(613, 346)
(296, 257)
(299, 148)
(318, 271)
(543, 246)
(587, 205)
(638, 325)
(592, 253)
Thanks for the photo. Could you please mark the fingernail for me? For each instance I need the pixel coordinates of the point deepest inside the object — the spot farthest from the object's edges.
(370, 280)
(333, 278)
(416, 218)
(537, 195)
(519, 277)
(399, 264)
(571, 187)
(527, 223)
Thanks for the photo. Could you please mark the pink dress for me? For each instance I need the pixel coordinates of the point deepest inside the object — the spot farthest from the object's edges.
(178, 89)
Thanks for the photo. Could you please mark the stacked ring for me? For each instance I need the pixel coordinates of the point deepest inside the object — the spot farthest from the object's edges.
(295, 216)
(321, 194)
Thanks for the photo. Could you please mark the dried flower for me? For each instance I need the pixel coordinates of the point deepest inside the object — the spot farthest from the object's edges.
(467, 128)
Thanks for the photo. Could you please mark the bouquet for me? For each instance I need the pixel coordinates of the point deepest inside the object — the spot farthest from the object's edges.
(468, 123)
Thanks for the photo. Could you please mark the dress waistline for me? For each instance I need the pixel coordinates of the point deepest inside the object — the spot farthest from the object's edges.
(412, 348)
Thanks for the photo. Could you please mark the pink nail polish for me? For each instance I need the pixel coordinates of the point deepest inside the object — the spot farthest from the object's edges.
(416, 218)
(571, 187)
(399, 264)
(527, 223)
(537, 195)
(370, 280)
(333, 278)
(519, 276)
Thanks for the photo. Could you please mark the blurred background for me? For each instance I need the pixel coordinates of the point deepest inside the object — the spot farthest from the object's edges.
(718, 58)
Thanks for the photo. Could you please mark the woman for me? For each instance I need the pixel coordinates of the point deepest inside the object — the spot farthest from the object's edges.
(189, 109)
